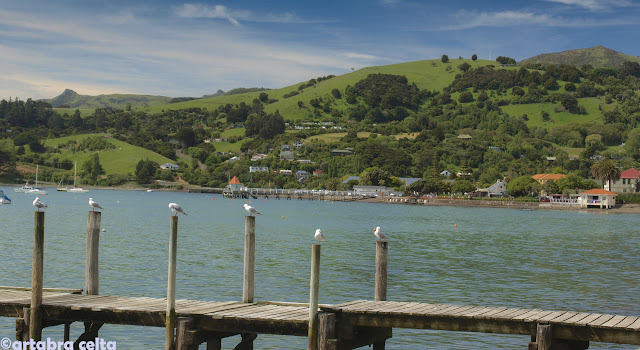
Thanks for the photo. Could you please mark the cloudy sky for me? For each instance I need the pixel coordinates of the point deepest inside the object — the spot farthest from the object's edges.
(176, 48)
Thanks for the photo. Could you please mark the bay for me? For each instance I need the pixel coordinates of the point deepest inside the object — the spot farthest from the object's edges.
(561, 260)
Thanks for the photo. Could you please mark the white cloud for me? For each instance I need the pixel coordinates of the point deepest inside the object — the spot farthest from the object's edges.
(473, 19)
(204, 11)
(235, 16)
(361, 56)
(594, 5)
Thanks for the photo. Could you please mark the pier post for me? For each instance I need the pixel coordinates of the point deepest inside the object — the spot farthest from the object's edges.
(170, 318)
(314, 287)
(382, 257)
(544, 337)
(91, 270)
(327, 331)
(249, 258)
(37, 276)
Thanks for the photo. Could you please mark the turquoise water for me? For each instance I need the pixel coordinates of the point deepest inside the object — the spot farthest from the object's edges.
(497, 257)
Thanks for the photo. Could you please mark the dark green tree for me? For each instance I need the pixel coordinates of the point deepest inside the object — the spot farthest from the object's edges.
(93, 168)
(606, 170)
(444, 58)
(464, 67)
(263, 97)
(474, 57)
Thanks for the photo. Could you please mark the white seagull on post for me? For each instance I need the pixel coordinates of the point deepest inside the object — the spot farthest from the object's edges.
(94, 205)
(176, 209)
(379, 234)
(38, 203)
(251, 210)
(319, 237)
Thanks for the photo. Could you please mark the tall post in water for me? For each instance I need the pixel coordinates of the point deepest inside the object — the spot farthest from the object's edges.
(249, 258)
(170, 318)
(91, 269)
(314, 287)
(37, 276)
(382, 257)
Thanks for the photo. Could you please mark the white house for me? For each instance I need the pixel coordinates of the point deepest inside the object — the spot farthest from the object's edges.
(232, 159)
(497, 189)
(286, 171)
(445, 173)
(258, 156)
(302, 175)
(255, 169)
(169, 166)
(597, 198)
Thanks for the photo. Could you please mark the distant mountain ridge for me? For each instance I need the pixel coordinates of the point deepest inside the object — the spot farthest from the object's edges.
(74, 100)
(597, 56)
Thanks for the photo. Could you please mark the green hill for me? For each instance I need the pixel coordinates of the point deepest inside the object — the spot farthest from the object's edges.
(74, 100)
(426, 74)
(120, 160)
(597, 56)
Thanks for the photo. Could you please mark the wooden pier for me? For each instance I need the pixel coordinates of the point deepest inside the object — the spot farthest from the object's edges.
(348, 325)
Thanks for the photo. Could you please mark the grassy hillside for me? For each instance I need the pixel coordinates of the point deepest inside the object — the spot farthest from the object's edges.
(120, 160)
(597, 56)
(428, 74)
(534, 113)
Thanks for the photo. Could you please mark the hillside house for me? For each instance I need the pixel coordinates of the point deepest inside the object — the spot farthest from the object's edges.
(256, 169)
(498, 189)
(544, 178)
(169, 166)
(302, 175)
(258, 156)
(628, 182)
(286, 155)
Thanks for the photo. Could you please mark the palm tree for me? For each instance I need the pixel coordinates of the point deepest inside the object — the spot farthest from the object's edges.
(606, 170)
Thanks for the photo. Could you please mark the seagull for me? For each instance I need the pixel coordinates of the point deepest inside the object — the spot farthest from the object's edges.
(251, 210)
(94, 204)
(379, 234)
(319, 236)
(176, 209)
(38, 203)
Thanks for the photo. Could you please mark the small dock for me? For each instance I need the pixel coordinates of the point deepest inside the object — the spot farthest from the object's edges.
(344, 326)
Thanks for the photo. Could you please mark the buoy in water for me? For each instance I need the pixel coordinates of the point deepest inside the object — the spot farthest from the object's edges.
(265, 199)
(455, 225)
(283, 217)
(213, 199)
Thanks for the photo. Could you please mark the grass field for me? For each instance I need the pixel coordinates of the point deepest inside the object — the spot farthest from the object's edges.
(120, 160)
(534, 113)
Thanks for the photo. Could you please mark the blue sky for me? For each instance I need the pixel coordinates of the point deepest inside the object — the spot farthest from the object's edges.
(192, 48)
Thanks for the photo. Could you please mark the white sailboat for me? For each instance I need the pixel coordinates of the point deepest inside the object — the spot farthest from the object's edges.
(29, 189)
(4, 199)
(75, 188)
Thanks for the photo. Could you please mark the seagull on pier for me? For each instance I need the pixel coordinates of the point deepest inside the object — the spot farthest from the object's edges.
(38, 204)
(94, 205)
(319, 236)
(379, 234)
(176, 209)
(251, 210)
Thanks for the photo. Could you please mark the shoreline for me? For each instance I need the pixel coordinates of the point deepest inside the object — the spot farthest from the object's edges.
(632, 208)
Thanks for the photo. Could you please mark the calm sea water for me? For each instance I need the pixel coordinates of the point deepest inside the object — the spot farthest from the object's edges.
(496, 257)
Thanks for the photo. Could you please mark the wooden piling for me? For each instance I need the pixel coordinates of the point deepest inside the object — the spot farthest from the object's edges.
(382, 257)
(314, 287)
(326, 331)
(544, 337)
(170, 318)
(37, 276)
(249, 258)
(91, 269)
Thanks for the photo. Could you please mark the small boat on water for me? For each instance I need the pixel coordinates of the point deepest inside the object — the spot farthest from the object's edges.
(76, 188)
(4, 199)
(31, 189)
(61, 187)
